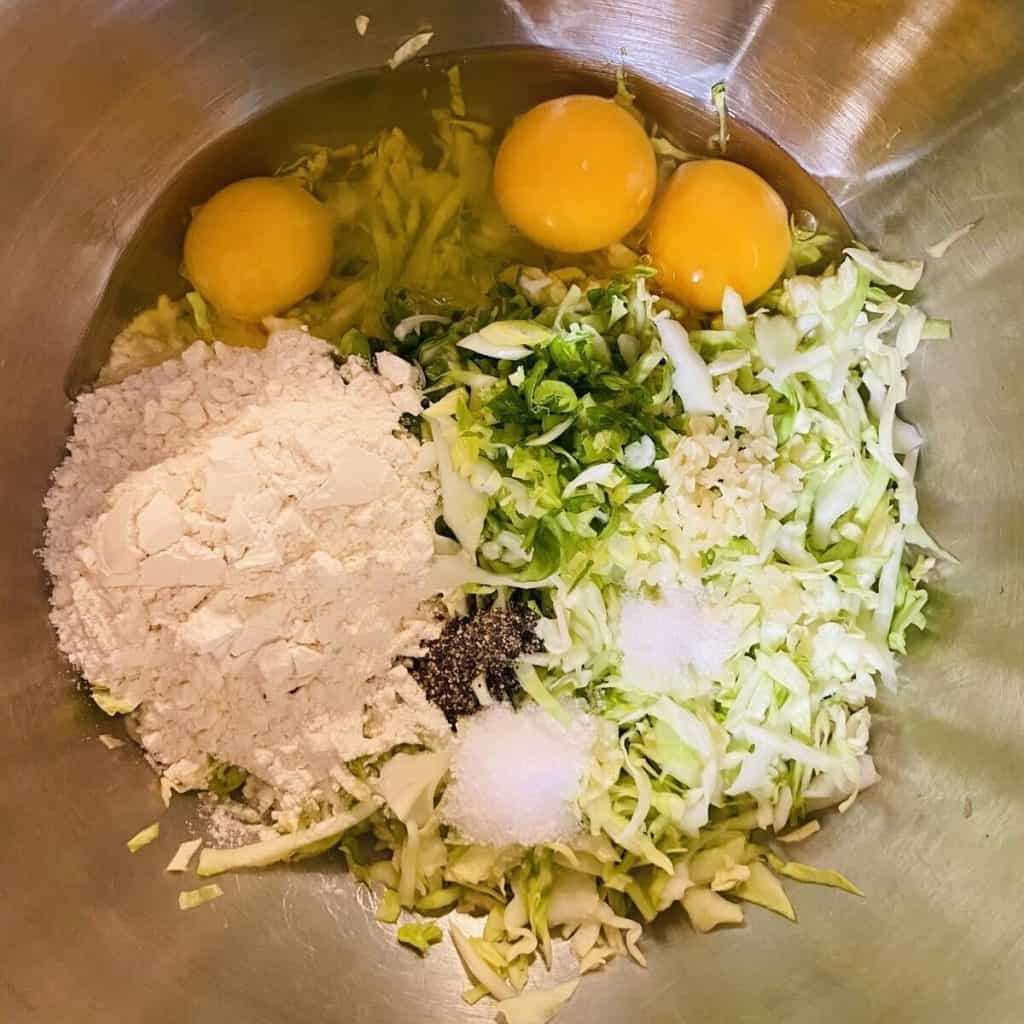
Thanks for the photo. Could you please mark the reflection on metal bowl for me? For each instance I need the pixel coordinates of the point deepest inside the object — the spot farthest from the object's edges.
(909, 116)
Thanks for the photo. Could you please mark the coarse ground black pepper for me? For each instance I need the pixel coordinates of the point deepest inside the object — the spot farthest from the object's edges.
(484, 644)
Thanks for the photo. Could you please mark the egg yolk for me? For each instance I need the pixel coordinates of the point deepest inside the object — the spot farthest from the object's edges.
(258, 246)
(718, 224)
(575, 174)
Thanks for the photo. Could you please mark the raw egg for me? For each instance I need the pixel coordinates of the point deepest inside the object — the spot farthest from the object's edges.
(718, 224)
(575, 174)
(258, 246)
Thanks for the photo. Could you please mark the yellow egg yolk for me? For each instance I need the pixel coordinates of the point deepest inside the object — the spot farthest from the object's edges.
(258, 246)
(575, 174)
(718, 225)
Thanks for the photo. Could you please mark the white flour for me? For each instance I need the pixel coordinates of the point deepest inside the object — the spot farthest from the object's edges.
(241, 544)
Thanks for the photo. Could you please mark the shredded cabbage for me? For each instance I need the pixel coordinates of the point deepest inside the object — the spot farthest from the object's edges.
(295, 844)
(419, 936)
(718, 101)
(183, 857)
(741, 458)
(192, 898)
(538, 1006)
(409, 49)
(110, 704)
(818, 876)
(595, 442)
(144, 837)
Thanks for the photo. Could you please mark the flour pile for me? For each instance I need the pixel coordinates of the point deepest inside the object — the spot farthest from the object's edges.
(241, 545)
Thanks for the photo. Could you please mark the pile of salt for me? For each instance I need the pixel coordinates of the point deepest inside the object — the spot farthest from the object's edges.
(664, 638)
(515, 776)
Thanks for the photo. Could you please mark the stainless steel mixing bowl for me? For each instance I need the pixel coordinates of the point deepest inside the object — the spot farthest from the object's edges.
(909, 112)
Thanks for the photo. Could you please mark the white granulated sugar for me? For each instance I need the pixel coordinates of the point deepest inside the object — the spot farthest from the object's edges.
(515, 776)
(665, 638)
(241, 544)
